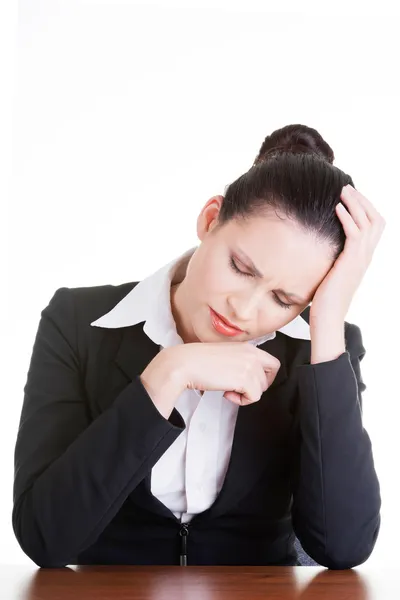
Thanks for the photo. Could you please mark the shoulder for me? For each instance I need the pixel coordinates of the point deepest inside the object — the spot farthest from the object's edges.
(90, 302)
(70, 312)
(73, 309)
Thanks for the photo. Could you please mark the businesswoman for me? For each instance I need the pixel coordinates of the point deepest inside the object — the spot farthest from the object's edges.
(211, 412)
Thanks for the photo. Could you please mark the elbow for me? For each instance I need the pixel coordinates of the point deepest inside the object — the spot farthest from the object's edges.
(45, 562)
(341, 551)
(31, 540)
(336, 560)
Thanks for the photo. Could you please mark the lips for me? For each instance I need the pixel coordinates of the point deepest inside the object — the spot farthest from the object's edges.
(222, 326)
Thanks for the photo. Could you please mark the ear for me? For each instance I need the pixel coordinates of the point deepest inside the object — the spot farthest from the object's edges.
(208, 217)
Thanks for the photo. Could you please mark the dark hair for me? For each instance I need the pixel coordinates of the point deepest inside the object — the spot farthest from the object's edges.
(292, 174)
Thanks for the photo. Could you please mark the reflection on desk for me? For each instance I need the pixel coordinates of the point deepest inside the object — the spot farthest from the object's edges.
(194, 583)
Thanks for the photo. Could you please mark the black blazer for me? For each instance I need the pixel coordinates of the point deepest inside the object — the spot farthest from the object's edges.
(89, 435)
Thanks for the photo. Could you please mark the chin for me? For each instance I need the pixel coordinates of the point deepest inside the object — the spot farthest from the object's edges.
(204, 338)
(202, 334)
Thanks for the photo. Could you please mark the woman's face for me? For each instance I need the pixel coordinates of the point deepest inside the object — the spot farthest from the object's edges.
(221, 274)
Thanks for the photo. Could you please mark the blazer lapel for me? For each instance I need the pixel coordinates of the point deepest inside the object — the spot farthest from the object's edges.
(135, 351)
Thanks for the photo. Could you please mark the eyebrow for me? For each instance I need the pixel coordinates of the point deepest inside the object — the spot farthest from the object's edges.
(252, 266)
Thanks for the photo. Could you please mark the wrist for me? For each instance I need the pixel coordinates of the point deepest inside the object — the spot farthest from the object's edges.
(327, 341)
(163, 381)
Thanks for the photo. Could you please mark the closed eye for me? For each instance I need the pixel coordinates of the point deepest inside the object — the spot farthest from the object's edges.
(245, 274)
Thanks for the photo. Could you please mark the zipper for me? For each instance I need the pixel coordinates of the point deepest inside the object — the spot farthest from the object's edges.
(183, 532)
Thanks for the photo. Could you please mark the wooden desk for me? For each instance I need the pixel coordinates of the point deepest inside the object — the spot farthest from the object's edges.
(196, 583)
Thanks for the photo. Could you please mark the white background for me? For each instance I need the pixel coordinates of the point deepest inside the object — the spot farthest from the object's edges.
(127, 117)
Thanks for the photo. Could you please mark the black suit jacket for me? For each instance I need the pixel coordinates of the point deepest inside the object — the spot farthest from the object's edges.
(89, 435)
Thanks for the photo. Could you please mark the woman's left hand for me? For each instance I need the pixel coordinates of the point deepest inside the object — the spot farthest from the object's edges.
(363, 226)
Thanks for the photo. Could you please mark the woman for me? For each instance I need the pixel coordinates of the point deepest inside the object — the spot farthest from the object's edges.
(208, 414)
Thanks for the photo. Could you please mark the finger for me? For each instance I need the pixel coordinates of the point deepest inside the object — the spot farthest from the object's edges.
(270, 374)
(371, 211)
(355, 208)
(377, 234)
(269, 363)
(241, 399)
(254, 387)
(350, 227)
(234, 397)
(254, 392)
(263, 378)
(250, 392)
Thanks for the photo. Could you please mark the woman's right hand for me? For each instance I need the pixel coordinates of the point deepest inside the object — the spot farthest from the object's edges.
(242, 370)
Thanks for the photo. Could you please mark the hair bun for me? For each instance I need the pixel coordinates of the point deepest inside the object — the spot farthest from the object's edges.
(297, 139)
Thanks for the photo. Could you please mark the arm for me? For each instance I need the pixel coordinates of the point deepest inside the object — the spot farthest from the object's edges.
(336, 497)
(72, 475)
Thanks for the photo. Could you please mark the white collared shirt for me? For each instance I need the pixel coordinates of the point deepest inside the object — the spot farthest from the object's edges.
(189, 475)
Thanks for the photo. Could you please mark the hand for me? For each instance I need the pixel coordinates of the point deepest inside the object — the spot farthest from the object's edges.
(241, 369)
(363, 226)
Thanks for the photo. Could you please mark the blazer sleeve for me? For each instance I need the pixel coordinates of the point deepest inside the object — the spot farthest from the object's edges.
(336, 497)
(72, 474)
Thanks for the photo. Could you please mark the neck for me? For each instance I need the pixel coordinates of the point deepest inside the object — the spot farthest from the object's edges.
(179, 311)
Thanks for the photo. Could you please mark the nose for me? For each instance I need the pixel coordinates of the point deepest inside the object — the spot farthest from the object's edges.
(244, 308)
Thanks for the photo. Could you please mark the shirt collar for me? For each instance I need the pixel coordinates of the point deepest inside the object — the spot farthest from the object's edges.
(149, 301)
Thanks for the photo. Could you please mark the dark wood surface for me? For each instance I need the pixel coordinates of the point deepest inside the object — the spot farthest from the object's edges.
(196, 583)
